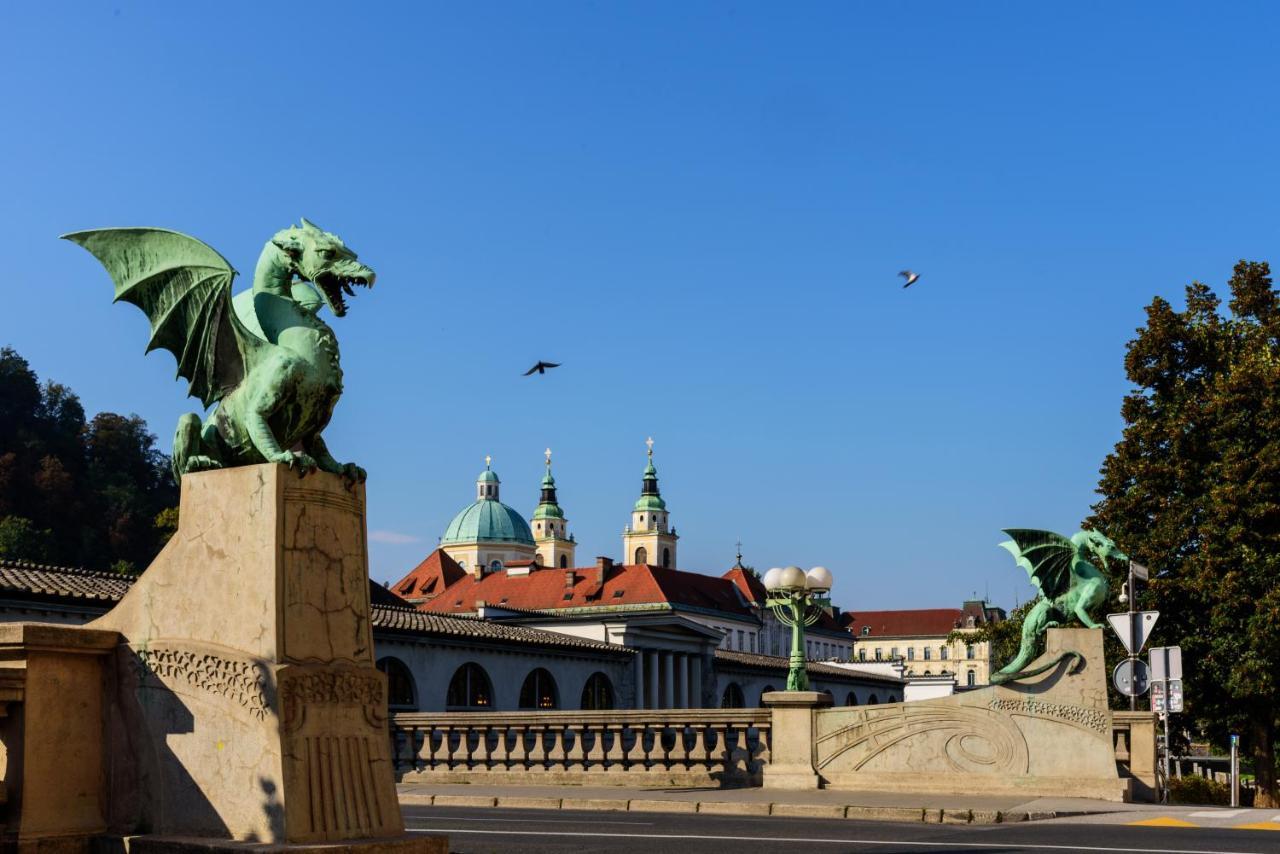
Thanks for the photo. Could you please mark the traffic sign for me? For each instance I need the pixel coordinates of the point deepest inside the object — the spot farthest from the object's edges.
(1175, 695)
(1157, 697)
(1124, 626)
(1131, 677)
(1166, 662)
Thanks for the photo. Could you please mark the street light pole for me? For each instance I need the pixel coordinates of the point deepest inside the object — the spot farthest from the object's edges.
(797, 599)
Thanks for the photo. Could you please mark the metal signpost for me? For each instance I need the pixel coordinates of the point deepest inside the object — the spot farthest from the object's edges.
(1235, 770)
(1133, 628)
(1166, 693)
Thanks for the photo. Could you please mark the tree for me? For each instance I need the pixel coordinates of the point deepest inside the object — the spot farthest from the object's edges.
(1192, 490)
(1004, 636)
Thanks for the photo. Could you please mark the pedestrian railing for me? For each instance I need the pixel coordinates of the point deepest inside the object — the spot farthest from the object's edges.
(727, 747)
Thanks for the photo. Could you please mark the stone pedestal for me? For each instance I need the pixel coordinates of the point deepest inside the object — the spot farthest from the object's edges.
(1047, 735)
(791, 739)
(244, 703)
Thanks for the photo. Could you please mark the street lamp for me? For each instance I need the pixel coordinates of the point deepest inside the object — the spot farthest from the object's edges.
(797, 598)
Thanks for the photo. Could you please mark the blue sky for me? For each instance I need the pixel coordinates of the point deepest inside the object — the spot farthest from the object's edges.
(700, 209)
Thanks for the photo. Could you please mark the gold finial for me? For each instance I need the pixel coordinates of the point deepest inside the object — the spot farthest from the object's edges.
(547, 452)
(487, 460)
(649, 442)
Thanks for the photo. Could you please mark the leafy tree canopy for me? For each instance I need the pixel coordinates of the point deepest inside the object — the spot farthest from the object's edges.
(1192, 490)
(94, 493)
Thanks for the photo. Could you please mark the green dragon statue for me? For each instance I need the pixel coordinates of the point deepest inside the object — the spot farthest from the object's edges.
(264, 360)
(1069, 585)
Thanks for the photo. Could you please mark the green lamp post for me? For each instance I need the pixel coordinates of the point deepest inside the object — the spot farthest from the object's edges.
(797, 599)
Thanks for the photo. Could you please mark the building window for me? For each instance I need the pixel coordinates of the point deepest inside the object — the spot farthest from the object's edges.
(401, 695)
(968, 651)
(928, 653)
(862, 654)
(742, 646)
(873, 700)
(851, 699)
(564, 561)
(753, 641)
(642, 555)
(538, 558)
(732, 697)
(866, 630)
(597, 694)
(944, 653)
(928, 673)
(469, 688)
(971, 679)
(893, 652)
(879, 654)
(911, 653)
(495, 565)
(538, 691)
(666, 558)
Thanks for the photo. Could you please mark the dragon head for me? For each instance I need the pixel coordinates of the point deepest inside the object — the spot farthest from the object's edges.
(322, 259)
(1099, 547)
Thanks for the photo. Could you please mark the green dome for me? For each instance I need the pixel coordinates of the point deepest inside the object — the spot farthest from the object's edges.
(488, 521)
(548, 511)
(487, 476)
(651, 502)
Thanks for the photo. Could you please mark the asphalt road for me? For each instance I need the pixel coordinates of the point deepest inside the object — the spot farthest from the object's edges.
(472, 831)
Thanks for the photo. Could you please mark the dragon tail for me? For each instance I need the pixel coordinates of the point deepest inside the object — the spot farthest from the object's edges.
(1077, 660)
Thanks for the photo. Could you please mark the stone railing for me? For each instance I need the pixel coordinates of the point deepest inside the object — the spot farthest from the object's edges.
(666, 747)
(1134, 737)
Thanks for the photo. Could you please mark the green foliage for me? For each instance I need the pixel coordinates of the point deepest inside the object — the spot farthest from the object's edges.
(1199, 790)
(76, 492)
(1192, 490)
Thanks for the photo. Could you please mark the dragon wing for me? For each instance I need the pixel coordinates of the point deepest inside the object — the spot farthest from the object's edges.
(184, 288)
(1045, 556)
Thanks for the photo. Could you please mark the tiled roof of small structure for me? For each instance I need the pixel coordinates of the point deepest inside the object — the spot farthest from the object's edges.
(623, 585)
(33, 579)
(917, 623)
(746, 581)
(780, 664)
(414, 621)
(429, 578)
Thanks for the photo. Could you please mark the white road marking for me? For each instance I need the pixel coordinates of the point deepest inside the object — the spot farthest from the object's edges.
(1216, 813)
(900, 844)
(542, 820)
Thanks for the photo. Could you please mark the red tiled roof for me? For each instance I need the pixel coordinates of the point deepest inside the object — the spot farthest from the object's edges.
(924, 621)
(630, 584)
(751, 586)
(429, 578)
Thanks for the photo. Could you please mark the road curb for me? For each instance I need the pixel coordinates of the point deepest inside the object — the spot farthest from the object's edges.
(852, 812)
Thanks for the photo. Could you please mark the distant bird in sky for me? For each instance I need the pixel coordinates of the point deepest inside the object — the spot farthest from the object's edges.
(541, 368)
(910, 277)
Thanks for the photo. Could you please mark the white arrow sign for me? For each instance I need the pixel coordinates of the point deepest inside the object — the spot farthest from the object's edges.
(1127, 626)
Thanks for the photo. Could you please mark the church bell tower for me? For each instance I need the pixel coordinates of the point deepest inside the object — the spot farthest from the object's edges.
(649, 539)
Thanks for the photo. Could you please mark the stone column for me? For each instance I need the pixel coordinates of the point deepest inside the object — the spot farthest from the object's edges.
(652, 697)
(682, 681)
(791, 751)
(668, 695)
(695, 681)
(638, 668)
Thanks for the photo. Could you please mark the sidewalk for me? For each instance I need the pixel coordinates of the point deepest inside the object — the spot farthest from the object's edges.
(823, 803)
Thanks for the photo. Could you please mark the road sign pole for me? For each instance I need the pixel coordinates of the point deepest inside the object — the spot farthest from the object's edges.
(1235, 770)
(1133, 632)
(1168, 746)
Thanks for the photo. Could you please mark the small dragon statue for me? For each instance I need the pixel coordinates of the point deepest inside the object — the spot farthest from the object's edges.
(1069, 584)
(264, 360)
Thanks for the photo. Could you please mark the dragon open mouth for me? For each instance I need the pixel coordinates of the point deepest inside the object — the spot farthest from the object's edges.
(336, 288)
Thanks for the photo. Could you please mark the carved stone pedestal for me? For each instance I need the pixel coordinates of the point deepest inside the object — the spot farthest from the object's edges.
(243, 701)
(791, 753)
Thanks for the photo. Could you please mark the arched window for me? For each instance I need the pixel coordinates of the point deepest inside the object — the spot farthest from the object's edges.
(401, 694)
(469, 688)
(732, 697)
(495, 565)
(873, 700)
(539, 559)
(971, 679)
(928, 673)
(642, 555)
(539, 691)
(462, 564)
(564, 561)
(866, 630)
(851, 699)
(666, 558)
(597, 694)
(768, 689)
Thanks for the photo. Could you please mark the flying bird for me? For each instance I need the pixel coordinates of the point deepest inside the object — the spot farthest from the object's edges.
(910, 277)
(541, 368)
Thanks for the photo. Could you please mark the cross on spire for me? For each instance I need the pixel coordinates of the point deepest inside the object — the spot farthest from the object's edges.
(547, 452)
(649, 442)
(487, 460)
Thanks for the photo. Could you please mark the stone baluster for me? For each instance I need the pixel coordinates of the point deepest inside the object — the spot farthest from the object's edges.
(499, 755)
(518, 758)
(678, 755)
(638, 753)
(617, 754)
(576, 757)
(538, 750)
(595, 755)
(699, 754)
(556, 753)
(764, 742)
(429, 752)
(455, 737)
(480, 755)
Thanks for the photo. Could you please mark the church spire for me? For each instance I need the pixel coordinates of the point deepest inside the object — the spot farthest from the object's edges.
(550, 527)
(648, 539)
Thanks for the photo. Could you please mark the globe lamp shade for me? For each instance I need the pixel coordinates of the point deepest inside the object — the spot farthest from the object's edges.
(771, 577)
(792, 578)
(819, 578)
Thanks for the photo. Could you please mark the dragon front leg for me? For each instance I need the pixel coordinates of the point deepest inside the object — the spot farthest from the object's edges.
(264, 438)
(350, 471)
(1082, 612)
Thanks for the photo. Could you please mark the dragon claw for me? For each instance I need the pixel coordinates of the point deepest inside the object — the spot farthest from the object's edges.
(353, 474)
(303, 463)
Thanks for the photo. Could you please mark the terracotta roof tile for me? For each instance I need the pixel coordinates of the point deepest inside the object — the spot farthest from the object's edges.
(624, 585)
(33, 579)
(429, 578)
(915, 623)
